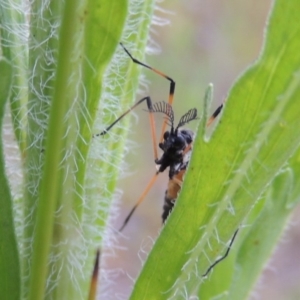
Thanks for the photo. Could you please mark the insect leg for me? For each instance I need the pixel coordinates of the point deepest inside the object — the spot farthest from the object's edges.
(172, 85)
(215, 114)
(94, 279)
(149, 104)
(187, 149)
(151, 117)
(223, 257)
(140, 200)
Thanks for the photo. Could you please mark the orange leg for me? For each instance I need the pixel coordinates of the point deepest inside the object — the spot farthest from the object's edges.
(149, 105)
(172, 86)
(215, 114)
(94, 279)
(140, 200)
(187, 149)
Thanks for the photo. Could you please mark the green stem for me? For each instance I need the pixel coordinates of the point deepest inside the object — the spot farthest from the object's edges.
(48, 196)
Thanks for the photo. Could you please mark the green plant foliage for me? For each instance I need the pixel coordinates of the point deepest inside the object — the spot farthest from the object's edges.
(258, 133)
(10, 287)
(107, 151)
(64, 82)
(14, 50)
(70, 79)
(80, 63)
(70, 46)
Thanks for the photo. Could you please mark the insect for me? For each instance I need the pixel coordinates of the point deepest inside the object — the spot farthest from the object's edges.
(176, 145)
(94, 277)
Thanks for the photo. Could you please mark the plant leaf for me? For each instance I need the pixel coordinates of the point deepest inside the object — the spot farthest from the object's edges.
(76, 91)
(10, 285)
(14, 49)
(259, 131)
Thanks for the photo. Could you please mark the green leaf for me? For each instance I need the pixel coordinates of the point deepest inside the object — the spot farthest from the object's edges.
(259, 131)
(88, 36)
(119, 92)
(101, 39)
(268, 219)
(260, 240)
(10, 286)
(68, 187)
(13, 29)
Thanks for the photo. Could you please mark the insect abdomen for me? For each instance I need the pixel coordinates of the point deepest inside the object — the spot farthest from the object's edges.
(174, 186)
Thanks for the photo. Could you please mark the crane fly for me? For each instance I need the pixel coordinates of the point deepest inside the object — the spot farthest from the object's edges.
(175, 143)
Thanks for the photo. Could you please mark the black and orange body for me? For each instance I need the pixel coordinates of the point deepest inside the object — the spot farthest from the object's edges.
(177, 149)
(171, 194)
(176, 145)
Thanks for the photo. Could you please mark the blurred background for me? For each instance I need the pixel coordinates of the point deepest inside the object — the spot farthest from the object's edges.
(206, 41)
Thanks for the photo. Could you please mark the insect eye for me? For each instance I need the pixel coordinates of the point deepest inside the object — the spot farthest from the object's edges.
(166, 135)
(187, 137)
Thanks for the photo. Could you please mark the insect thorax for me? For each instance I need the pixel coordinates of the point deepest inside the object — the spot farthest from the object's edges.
(176, 148)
